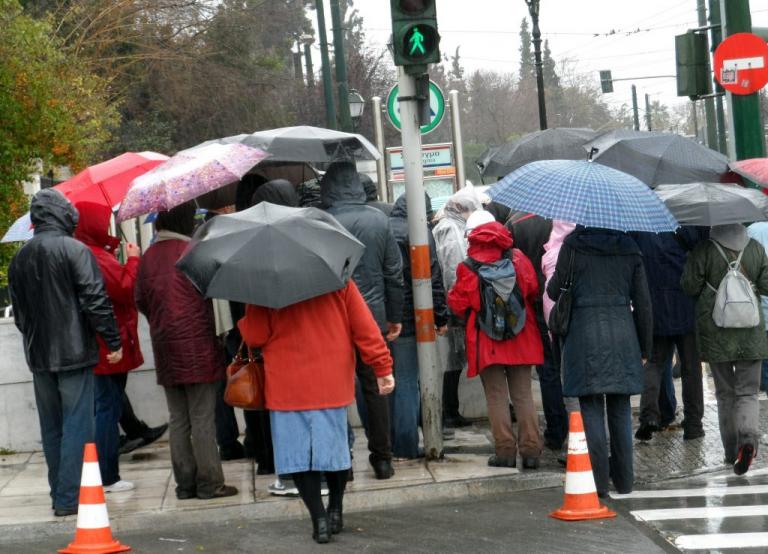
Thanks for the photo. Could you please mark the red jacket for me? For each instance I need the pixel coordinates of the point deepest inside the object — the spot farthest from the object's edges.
(181, 321)
(309, 349)
(487, 244)
(93, 230)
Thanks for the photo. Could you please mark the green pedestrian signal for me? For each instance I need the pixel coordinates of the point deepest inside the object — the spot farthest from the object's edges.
(415, 40)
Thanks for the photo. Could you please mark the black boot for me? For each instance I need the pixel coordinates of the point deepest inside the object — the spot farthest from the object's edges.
(321, 530)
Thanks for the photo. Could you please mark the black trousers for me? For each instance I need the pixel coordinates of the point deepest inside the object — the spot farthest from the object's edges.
(374, 413)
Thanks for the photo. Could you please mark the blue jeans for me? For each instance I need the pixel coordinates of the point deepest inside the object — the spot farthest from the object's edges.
(619, 465)
(109, 391)
(405, 401)
(65, 408)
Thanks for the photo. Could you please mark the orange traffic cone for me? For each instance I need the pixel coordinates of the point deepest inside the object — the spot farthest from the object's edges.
(581, 500)
(93, 534)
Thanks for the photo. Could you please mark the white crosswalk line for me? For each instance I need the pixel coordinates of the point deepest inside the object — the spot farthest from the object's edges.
(688, 493)
(708, 512)
(715, 541)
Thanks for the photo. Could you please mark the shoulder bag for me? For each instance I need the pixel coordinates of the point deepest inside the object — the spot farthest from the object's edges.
(560, 316)
(245, 381)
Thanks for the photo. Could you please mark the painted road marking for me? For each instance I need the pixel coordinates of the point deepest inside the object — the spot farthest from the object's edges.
(714, 512)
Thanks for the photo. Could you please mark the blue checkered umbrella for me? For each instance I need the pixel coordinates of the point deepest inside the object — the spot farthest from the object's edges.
(585, 193)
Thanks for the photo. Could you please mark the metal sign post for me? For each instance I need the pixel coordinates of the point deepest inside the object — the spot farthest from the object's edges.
(458, 141)
(381, 163)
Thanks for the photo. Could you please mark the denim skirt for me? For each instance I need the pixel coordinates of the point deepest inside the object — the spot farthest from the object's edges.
(310, 440)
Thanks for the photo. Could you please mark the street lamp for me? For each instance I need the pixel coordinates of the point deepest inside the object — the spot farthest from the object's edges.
(533, 9)
(356, 105)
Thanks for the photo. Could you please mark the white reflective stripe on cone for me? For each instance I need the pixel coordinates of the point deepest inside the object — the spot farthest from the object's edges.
(92, 516)
(91, 475)
(577, 443)
(579, 482)
(721, 540)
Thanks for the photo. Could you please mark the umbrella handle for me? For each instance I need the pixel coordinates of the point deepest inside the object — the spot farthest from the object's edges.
(592, 152)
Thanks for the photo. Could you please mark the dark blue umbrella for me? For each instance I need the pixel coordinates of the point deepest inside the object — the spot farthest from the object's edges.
(585, 193)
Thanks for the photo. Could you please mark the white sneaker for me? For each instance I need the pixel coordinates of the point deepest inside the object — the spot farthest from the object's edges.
(278, 488)
(120, 486)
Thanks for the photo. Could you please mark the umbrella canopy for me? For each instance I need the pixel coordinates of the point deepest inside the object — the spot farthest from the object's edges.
(188, 175)
(305, 144)
(271, 255)
(658, 158)
(20, 231)
(584, 193)
(709, 204)
(754, 169)
(561, 143)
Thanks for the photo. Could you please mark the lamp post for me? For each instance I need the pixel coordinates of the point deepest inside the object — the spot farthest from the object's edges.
(356, 106)
(533, 9)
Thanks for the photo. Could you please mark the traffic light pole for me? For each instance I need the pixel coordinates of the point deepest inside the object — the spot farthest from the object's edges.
(533, 9)
(345, 118)
(635, 114)
(716, 37)
(709, 103)
(430, 378)
(330, 107)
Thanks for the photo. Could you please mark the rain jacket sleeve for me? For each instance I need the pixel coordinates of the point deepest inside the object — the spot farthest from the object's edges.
(463, 297)
(92, 296)
(451, 250)
(642, 310)
(120, 279)
(392, 270)
(527, 279)
(366, 334)
(438, 292)
(255, 327)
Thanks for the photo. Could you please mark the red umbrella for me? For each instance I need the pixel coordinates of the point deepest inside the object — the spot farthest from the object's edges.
(107, 182)
(755, 169)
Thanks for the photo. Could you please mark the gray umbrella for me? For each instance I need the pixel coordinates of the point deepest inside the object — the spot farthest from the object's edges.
(561, 143)
(271, 256)
(709, 204)
(658, 158)
(306, 144)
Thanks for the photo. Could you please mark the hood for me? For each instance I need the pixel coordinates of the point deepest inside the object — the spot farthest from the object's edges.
(733, 237)
(461, 204)
(602, 242)
(277, 191)
(93, 228)
(400, 208)
(341, 185)
(51, 211)
(489, 237)
(371, 194)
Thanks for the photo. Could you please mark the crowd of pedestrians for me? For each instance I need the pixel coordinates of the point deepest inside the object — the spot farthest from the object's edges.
(636, 301)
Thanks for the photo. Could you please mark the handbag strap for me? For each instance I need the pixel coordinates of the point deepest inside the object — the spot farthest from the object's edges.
(569, 278)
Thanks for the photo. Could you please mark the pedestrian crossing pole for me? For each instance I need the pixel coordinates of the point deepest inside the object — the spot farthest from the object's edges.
(430, 378)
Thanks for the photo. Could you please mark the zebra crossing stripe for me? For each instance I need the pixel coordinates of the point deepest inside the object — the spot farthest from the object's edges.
(721, 540)
(707, 512)
(689, 493)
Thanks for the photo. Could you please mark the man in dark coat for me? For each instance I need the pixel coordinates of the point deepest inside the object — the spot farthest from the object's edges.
(60, 304)
(372, 195)
(664, 256)
(530, 233)
(379, 276)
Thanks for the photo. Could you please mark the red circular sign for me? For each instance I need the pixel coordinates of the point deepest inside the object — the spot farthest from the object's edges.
(741, 63)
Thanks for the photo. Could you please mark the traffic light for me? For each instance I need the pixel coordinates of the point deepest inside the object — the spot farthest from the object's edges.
(415, 39)
(606, 81)
(692, 61)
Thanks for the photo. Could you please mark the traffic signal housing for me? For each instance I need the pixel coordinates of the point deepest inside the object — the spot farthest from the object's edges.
(692, 61)
(415, 40)
(606, 81)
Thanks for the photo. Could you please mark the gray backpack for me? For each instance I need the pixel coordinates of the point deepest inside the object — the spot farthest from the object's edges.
(736, 304)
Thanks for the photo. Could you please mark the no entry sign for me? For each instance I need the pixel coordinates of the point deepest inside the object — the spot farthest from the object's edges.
(741, 63)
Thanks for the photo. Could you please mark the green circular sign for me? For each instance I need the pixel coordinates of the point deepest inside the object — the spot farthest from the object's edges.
(436, 107)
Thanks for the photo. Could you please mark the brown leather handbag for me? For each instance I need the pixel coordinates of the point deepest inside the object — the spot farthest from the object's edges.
(245, 381)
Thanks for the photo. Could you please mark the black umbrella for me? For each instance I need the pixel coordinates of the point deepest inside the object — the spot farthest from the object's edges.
(560, 143)
(709, 204)
(271, 256)
(658, 158)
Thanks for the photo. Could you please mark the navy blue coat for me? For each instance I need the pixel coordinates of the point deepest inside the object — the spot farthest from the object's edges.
(611, 321)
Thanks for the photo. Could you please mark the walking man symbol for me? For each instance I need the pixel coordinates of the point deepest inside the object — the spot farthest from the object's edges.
(417, 43)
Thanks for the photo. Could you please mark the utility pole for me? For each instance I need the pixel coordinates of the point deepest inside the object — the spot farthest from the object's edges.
(298, 64)
(345, 118)
(458, 141)
(747, 135)
(716, 37)
(695, 119)
(648, 118)
(635, 115)
(533, 9)
(308, 62)
(378, 132)
(330, 107)
(709, 103)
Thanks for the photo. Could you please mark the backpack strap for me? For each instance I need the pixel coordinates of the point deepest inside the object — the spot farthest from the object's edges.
(735, 264)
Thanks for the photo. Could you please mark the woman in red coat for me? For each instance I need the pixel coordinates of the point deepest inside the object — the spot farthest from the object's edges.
(309, 362)
(109, 383)
(504, 366)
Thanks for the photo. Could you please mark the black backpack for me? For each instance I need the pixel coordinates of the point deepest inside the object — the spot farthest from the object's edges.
(499, 318)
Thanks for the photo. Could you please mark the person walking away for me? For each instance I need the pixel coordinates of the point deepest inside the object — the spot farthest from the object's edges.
(110, 379)
(504, 365)
(189, 359)
(530, 233)
(609, 336)
(734, 347)
(664, 256)
(379, 277)
(451, 246)
(60, 306)
(759, 232)
(309, 364)
(405, 402)
(372, 195)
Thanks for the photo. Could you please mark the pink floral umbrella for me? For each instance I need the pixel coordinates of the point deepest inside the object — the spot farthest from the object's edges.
(755, 169)
(188, 175)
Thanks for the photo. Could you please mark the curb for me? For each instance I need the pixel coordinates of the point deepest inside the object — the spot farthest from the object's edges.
(358, 501)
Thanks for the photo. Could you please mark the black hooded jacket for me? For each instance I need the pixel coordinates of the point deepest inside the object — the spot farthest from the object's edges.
(399, 223)
(277, 191)
(379, 275)
(57, 291)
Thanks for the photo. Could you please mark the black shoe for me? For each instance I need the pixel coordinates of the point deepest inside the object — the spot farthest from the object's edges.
(383, 469)
(553, 444)
(186, 494)
(336, 521)
(645, 431)
(154, 433)
(456, 420)
(321, 532)
(222, 492)
(131, 444)
(692, 434)
(233, 452)
(744, 459)
(530, 463)
(502, 461)
(63, 512)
